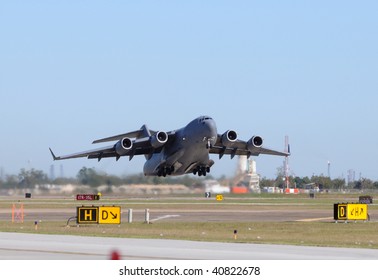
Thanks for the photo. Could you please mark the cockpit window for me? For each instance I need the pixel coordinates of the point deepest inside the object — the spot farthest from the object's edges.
(202, 119)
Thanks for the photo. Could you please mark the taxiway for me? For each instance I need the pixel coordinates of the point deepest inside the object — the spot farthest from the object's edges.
(20, 246)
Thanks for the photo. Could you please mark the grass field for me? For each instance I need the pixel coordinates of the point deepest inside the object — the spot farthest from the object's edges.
(313, 233)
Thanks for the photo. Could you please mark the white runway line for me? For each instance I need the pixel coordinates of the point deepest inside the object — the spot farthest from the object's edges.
(315, 219)
(164, 217)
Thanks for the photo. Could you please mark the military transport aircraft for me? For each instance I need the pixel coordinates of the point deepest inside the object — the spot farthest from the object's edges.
(177, 152)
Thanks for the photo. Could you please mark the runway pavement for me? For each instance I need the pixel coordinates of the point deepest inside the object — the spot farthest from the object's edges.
(19, 246)
(193, 215)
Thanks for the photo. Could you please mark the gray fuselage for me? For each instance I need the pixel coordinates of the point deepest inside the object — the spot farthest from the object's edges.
(188, 151)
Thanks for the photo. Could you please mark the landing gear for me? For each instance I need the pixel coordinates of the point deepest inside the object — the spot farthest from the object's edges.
(208, 145)
(201, 170)
(166, 170)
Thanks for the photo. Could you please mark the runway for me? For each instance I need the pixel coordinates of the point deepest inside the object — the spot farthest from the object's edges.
(19, 246)
(195, 214)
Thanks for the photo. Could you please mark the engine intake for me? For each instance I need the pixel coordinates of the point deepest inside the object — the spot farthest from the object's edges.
(159, 139)
(254, 142)
(123, 146)
(229, 138)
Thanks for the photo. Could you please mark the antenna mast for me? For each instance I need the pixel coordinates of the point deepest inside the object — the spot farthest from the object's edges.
(286, 163)
(329, 169)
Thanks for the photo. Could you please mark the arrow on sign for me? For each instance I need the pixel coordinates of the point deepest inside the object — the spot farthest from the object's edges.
(110, 215)
(105, 215)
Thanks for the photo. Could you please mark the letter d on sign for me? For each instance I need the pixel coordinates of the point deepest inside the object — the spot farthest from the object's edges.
(104, 215)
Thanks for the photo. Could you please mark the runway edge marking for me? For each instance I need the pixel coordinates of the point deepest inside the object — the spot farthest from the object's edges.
(315, 219)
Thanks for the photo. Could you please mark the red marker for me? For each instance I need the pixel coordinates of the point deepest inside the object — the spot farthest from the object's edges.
(115, 256)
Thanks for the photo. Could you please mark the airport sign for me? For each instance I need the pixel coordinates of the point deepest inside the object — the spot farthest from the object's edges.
(99, 215)
(350, 211)
(109, 215)
(87, 215)
(342, 211)
(87, 197)
(357, 211)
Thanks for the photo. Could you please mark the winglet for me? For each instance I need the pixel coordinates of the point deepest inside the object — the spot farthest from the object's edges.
(53, 155)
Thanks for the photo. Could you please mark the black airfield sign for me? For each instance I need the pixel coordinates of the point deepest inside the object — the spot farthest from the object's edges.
(87, 215)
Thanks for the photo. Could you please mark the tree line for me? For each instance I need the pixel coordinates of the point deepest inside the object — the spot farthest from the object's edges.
(93, 178)
(321, 182)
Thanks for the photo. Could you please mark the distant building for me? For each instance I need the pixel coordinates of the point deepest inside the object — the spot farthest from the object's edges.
(351, 176)
(246, 175)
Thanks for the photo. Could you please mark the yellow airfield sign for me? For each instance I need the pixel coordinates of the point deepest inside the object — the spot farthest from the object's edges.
(350, 211)
(109, 215)
(357, 212)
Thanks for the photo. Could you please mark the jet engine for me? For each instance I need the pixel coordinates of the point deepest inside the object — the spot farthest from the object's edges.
(229, 137)
(254, 142)
(159, 139)
(123, 146)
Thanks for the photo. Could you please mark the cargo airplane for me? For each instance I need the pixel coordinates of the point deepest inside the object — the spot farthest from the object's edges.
(177, 152)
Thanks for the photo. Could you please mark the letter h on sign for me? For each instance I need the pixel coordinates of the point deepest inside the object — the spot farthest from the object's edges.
(87, 215)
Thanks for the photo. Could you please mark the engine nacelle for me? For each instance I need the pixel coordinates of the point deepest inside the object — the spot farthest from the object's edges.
(123, 146)
(254, 142)
(159, 139)
(229, 137)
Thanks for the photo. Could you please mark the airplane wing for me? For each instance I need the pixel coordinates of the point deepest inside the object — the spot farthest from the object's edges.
(240, 147)
(143, 131)
(152, 142)
(105, 152)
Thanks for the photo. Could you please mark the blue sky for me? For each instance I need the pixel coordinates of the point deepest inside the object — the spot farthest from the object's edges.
(75, 71)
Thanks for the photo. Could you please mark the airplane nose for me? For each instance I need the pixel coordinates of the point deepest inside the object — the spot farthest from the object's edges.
(210, 129)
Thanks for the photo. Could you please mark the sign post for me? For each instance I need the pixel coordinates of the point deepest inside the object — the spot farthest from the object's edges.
(147, 216)
(130, 216)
